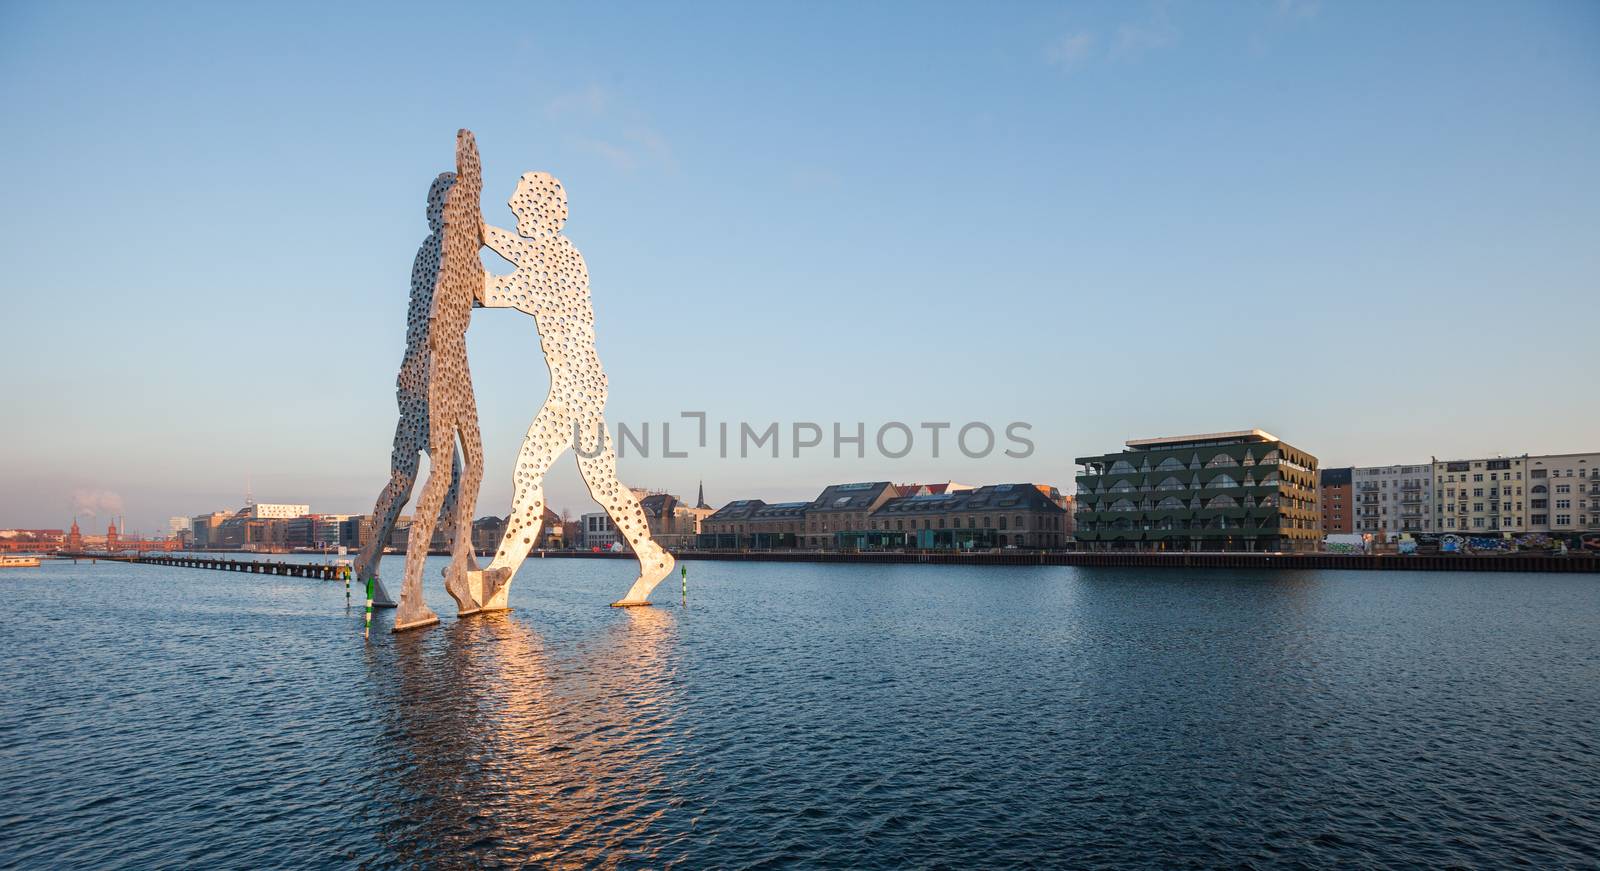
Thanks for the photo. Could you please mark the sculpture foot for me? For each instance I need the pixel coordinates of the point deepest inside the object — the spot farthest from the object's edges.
(639, 594)
(458, 588)
(419, 623)
(415, 619)
(494, 585)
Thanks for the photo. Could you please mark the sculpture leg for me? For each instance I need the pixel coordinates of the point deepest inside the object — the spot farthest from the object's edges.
(414, 611)
(450, 521)
(547, 437)
(600, 474)
(402, 477)
(466, 481)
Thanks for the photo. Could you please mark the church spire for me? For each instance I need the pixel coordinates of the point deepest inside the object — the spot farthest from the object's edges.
(700, 501)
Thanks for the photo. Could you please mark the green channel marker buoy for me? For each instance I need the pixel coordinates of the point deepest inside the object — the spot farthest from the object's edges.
(685, 571)
(367, 632)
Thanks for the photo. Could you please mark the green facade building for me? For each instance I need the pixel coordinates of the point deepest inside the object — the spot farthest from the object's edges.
(1238, 491)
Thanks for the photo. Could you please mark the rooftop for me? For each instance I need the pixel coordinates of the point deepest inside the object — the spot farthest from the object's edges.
(1243, 435)
(1019, 497)
(849, 497)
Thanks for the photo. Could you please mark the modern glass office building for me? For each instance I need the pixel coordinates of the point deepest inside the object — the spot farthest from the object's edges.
(1246, 490)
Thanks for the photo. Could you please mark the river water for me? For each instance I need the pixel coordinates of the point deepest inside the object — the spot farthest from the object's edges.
(805, 715)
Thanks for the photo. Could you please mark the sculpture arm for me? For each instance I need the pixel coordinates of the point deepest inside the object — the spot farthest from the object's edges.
(502, 242)
(493, 293)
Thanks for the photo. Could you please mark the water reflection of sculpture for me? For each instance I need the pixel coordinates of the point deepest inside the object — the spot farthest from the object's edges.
(508, 752)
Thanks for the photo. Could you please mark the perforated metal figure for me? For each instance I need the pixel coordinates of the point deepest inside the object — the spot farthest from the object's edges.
(435, 398)
(551, 283)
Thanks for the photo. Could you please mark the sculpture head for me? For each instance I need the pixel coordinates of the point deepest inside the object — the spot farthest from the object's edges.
(540, 205)
(436, 197)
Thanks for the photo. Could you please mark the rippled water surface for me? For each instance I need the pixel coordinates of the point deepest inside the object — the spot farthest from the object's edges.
(805, 715)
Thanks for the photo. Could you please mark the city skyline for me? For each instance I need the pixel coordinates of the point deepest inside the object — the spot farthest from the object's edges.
(800, 491)
(1391, 209)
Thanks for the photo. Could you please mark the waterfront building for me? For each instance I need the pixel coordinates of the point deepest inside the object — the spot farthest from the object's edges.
(1244, 490)
(673, 524)
(486, 534)
(177, 525)
(1480, 497)
(33, 540)
(1391, 500)
(327, 530)
(273, 511)
(995, 515)
(751, 524)
(727, 527)
(839, 513)
(257, 534)
(1334, 498)
(298, 531)
(321, 531)
(777, 525)
(204, 529)
(598, 530)
(688, 518)
(354, 531)
(1563, 494)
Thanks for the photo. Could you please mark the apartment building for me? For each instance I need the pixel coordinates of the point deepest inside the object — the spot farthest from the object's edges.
(1243, 490)
(1563, 493)
(1389, 501)
(1334, 500)
(1480, 497)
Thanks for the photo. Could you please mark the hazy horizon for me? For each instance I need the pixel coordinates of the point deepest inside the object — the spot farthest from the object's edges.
(1368, 229)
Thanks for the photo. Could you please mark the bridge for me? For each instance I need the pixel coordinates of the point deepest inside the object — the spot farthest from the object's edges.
(318, 571)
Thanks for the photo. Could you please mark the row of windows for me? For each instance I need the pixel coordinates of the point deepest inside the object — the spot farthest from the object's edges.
(1219, 461)
(1494, 492)
(1556, 473)
(1036, 540)
(1172, 503)
(1561, 519)
(1172, 483)
(1045, 522)
(1482, 523)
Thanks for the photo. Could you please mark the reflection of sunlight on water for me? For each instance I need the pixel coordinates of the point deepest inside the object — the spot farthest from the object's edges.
(500, 749)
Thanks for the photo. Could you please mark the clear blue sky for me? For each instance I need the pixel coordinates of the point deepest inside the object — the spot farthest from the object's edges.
(1372, 228)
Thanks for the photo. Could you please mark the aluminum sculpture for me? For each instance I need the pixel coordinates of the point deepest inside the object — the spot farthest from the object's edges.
(438, 414)
(551, 283)
(411, 392)
(436, 404)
